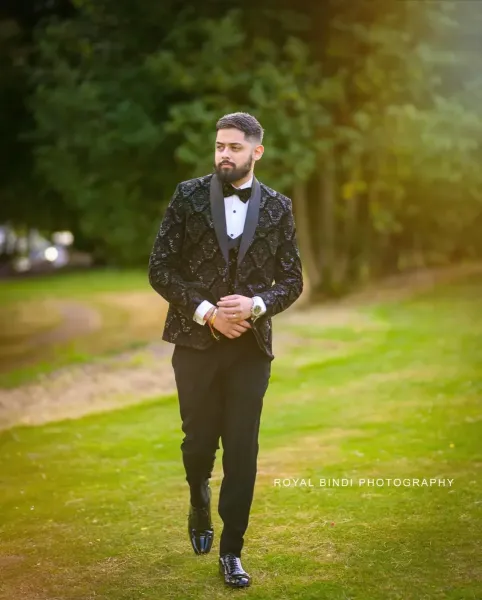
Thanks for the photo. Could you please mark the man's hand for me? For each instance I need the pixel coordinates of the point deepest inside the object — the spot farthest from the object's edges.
(235, 308)
(228, 328)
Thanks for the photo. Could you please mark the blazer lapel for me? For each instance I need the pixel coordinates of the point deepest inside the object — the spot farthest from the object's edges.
(252, 217)
(216, 199)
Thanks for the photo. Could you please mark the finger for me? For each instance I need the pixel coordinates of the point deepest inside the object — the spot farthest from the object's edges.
(232, 313)
(238, 319)
(245, 324)
(231, 297)
(228, 303)
(240, 328)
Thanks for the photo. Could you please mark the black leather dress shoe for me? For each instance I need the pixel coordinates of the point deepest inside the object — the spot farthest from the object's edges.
(231, 569)
(200, 527)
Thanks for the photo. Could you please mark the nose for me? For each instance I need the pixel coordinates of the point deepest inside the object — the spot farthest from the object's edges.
(225, 156)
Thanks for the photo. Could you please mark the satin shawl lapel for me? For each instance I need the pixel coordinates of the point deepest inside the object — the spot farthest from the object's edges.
(252, 217)
(219, 215)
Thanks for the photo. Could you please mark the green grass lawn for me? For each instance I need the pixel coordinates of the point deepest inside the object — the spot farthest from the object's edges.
(76, 284)
(96, 508)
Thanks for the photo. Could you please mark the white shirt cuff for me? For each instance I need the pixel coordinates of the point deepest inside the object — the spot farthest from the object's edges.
(260, 302)
(201, 310)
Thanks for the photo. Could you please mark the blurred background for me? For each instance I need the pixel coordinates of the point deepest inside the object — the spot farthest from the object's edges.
(372, 119)
(371, 110)
(372, 113)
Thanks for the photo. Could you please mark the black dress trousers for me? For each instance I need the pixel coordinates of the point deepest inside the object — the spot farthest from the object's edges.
(221, 393)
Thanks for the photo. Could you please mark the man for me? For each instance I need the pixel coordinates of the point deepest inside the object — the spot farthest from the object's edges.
(224, 239)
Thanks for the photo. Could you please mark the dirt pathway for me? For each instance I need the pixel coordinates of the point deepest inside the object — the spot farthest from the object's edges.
(30, 342)
(78, 390)
(135, 376)
(78, 318)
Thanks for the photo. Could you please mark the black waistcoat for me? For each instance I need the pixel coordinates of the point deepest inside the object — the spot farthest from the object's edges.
(233, 247)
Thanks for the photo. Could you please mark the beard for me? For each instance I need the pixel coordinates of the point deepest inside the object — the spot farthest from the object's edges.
(231, 173)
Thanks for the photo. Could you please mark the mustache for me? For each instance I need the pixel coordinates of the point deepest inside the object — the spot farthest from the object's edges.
(226, 163)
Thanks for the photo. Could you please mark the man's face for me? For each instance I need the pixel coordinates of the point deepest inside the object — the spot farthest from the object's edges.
(234, 155)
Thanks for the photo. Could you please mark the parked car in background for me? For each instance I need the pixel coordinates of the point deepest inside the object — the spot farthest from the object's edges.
(32, 252)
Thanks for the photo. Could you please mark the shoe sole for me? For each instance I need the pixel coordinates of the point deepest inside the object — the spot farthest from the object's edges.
(233, 586)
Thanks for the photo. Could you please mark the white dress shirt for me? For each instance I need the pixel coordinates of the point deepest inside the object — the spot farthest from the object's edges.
(235, 210)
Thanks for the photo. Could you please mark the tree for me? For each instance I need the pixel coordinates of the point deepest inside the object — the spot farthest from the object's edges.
(369, 125)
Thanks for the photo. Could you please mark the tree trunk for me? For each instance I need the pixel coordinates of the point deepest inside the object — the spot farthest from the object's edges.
(308, 257)
(328, 224)
(362, 254)
(350, 234)
(345, 272)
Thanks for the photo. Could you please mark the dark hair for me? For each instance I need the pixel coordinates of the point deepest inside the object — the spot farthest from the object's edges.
(245, 122)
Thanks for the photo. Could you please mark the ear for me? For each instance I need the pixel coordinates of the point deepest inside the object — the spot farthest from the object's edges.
(258, 152)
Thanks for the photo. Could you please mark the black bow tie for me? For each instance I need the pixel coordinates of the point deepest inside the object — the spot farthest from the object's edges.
(229, 190)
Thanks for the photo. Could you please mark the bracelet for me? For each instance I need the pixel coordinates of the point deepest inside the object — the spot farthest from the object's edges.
(208, 319)
(211, 323)
(213, 333)
(212, 317)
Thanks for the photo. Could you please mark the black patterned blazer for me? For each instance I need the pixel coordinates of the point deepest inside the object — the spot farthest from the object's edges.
(189, 261)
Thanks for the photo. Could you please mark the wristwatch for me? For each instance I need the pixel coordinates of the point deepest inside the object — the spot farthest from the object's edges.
(257, 308)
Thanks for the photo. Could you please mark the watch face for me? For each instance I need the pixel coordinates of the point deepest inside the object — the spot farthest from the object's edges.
(257, 310)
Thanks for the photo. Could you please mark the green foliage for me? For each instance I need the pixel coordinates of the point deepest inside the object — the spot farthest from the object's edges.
(280, 85)
(407, 144)
(384, 95)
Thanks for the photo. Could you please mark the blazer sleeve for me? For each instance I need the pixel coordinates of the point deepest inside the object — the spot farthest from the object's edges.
(288, 278)
(165, 272)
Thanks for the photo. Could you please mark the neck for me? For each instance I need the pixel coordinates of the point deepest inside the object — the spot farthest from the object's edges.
(243, 180)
